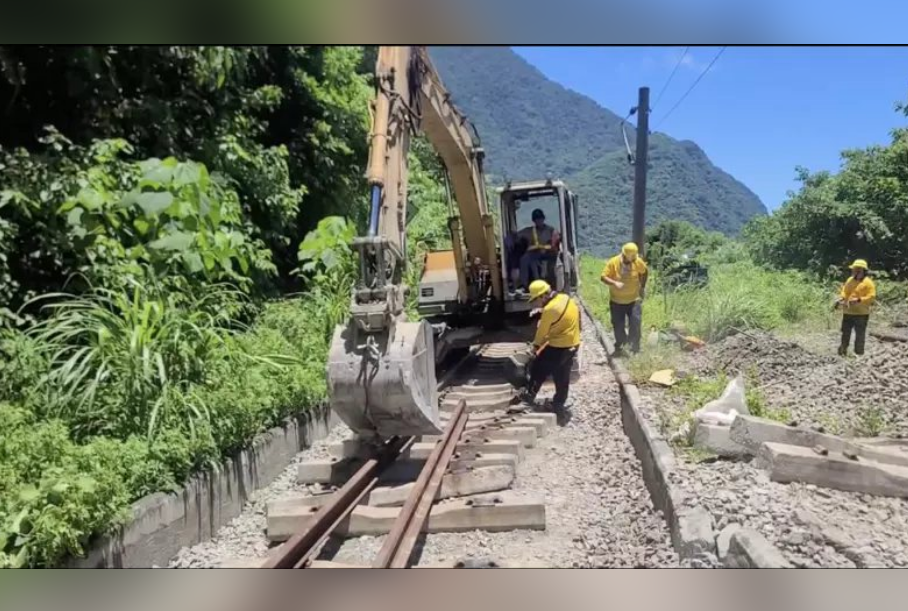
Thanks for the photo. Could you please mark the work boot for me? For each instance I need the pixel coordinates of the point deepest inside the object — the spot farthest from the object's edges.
(563, 416)
(843, 351)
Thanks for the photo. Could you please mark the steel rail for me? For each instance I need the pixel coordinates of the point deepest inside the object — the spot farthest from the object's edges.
(300, 549)
(399, 544)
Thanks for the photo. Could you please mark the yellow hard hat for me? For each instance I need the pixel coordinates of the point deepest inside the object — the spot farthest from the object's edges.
(539, 288)
(859, 264)
(630, 250)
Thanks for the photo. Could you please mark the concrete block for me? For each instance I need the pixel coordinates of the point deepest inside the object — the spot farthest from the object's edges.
(787, 463)
(502, 511)
(717, 439)
(694, 534)
(476, 405)
(891, 451)
(325, 471)
(421, 451)
(470, 459)
(752, 433)
(462, 483)
(497, 395)
(481, 389)
(338, 472)
(488, 428)
(524, 434)
(724, 540)
(748, 549)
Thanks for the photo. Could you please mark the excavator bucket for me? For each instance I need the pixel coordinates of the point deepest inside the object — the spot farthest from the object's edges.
(385, 386)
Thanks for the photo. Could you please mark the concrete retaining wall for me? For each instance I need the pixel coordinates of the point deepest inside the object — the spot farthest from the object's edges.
(691, 526)
(165, 523)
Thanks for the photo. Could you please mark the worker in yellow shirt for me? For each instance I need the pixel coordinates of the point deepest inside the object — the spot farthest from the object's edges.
(555, 345)
(856, 298)
(625, 275)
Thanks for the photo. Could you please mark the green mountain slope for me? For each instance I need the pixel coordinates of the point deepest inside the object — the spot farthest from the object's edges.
(531, 126)
(682, 184)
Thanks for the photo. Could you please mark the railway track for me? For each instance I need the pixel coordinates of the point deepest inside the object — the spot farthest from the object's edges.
(516, 491)
(477, 453)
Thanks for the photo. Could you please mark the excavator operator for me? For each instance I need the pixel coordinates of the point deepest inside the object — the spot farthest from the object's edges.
(542, 241)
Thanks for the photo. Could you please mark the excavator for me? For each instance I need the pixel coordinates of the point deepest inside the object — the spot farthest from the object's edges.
(381, 366)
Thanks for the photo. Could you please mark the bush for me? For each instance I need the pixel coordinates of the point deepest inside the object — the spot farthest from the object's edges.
(57, 491)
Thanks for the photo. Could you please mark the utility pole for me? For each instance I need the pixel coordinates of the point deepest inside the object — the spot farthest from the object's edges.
(639, 231)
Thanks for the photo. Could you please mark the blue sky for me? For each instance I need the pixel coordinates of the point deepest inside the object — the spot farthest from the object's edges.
(760, 111)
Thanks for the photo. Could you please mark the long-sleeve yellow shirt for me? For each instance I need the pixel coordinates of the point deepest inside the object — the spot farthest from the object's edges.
(559, 324)
(863, 289)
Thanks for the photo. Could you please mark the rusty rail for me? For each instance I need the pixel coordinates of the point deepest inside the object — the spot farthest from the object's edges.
(300, 549)
(399, 544)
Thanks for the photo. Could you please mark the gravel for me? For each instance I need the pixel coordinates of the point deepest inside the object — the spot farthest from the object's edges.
(813, 527)
(598, 510)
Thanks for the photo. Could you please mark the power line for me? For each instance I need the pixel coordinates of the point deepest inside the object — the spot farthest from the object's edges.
(671, 76)
(686, 93)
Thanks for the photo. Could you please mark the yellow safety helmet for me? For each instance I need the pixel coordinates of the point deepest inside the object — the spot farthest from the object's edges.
(539, 288)
(630, 251)
(860, 264)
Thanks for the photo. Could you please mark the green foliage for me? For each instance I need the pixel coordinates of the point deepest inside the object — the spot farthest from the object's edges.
(428, 213)
(112, 221)
(532, 126)
(149, 360)
(327, 260)
(861, 212)
(285, 125)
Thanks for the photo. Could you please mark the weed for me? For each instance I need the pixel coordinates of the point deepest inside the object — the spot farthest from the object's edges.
(871, 422)
(831, 423)
(650, 360)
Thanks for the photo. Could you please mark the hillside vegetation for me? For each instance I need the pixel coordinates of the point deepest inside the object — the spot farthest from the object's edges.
(531, 126)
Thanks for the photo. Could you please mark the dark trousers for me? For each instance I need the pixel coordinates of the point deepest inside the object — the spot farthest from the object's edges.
(626, 319)
(858, 324)
(555, 362)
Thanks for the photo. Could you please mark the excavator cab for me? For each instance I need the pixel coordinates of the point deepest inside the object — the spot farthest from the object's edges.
(555, 260)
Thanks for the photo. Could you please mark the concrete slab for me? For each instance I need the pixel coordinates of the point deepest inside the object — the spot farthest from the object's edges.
(325, 470)
(502, 511)
(526, 435)
(338, 472)
(488, 395)
(748, 549)
(481, 389)
(476, 405)
(787, 463)
(694, 534)
(464, 483)
(752, 433)
(421, 451)
(717, 439)
(723, 541)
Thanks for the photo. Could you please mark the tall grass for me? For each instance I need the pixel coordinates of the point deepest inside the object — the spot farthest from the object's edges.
(739, 296)
(117, 359)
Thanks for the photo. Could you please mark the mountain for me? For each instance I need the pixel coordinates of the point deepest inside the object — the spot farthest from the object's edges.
(531, 127)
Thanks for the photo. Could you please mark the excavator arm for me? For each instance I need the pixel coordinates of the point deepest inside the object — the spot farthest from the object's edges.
(381, 369)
